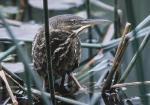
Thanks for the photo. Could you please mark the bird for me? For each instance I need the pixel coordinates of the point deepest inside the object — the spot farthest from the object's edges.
(64, 31)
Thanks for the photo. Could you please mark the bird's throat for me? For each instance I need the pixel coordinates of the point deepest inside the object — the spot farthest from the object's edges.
(81, 29)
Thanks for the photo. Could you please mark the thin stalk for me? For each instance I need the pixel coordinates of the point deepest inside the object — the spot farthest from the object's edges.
(108, 36)
(9, 51)
(27, 74)
(48, 51)
(114, 43)
(140, 32)
(16, 82)
(13, 75)
(25, 59)
(105, 6)
(99, 67)
(130, 84)
(88, 10)
(37, 92)
(116, 19)
(119, 53)
(116, 64)
(139, 63)
(134, 59)
(67, 100)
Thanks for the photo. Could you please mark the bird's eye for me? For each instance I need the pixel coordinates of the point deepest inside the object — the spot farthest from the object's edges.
(73, 21)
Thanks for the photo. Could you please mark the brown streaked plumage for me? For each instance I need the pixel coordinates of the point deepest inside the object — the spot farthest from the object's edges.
(65, 44)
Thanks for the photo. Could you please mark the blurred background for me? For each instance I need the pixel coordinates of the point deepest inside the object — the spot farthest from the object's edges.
(25, 17)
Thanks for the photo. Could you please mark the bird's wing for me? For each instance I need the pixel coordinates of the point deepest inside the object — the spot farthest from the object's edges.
(39, 51)
(64, 51)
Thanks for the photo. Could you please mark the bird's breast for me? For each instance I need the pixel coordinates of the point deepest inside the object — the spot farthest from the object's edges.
(65, 51)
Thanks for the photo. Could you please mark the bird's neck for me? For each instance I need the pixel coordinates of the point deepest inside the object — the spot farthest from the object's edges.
(60, 30)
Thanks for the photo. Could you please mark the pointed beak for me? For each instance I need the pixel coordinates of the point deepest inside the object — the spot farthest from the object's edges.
(94, 21)
(91, 22)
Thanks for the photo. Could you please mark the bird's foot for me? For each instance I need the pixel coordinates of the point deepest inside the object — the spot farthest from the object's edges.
(82, 89)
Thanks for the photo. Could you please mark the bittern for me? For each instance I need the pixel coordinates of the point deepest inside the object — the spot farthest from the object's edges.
(65, 45)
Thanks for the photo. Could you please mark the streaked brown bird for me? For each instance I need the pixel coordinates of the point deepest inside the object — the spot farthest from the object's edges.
(65, 45)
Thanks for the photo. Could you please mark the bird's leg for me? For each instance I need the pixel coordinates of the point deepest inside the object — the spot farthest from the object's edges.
(63, 80)
(43, 83)
(71, 75)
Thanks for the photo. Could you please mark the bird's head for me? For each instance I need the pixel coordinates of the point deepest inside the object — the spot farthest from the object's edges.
(73, 23)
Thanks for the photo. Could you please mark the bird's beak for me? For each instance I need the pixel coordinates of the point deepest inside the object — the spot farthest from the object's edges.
(91, 22)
